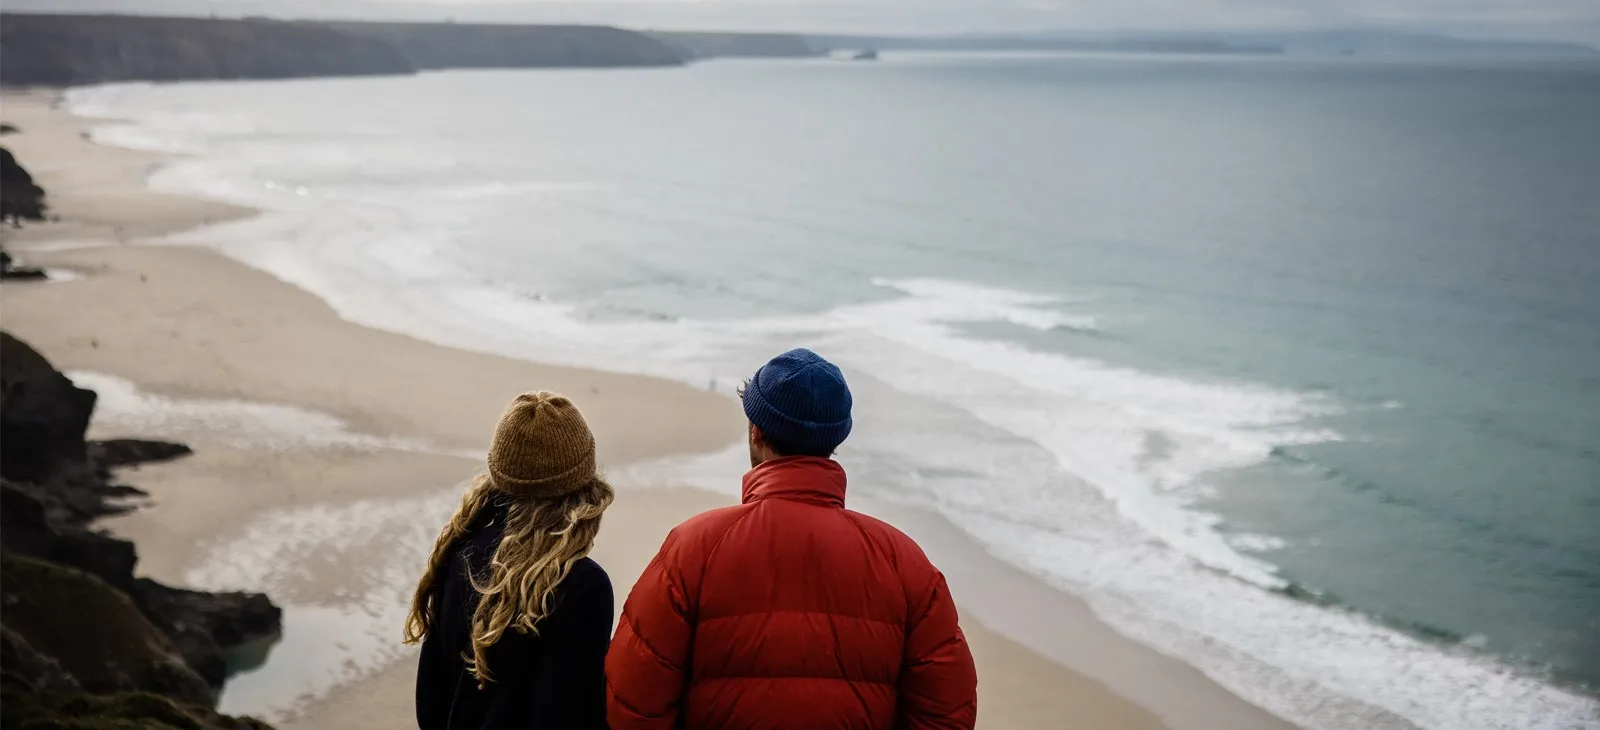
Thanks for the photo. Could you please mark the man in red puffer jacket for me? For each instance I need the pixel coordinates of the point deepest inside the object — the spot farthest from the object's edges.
(788, 610)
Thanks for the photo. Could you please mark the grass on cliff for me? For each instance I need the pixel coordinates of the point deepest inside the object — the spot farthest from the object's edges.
(122, 711)
(94, 630)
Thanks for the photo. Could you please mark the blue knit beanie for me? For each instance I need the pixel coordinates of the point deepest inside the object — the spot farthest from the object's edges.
(801, 402)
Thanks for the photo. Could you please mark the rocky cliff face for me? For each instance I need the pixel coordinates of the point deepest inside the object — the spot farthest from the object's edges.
(20, 197)
(92, 632)
(449, 45)
(62, 50)
(43, 416)
(83, 642)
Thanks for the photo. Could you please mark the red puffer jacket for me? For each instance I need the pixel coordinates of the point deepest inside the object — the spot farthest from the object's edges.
(790, 611)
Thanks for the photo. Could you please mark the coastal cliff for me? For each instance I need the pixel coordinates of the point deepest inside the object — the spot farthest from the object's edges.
(83, 642)
(65, 50)
(20, 197)
(450, 45)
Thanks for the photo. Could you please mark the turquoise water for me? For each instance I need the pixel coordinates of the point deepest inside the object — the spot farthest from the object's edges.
(1291, 369)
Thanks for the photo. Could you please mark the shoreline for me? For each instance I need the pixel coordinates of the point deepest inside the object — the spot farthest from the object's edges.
(209, 329)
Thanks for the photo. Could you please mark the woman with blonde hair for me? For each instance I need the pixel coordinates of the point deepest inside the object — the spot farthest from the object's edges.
(513, 617)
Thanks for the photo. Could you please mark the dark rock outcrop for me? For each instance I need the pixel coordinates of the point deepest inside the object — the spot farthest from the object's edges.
(83, 642)
(23, 524)
(63, 50)
(93, 631)
(43, 416)
(54, 532)
(129, 452)
(20, 197)
(450, 45)
(203, 627)
(25, 667)
(10, 270)
(202, 624)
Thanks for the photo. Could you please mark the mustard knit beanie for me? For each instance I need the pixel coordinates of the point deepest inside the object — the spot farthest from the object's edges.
(542, 448)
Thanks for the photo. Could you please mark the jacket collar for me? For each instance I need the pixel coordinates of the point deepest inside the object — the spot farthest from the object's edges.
(807, 479)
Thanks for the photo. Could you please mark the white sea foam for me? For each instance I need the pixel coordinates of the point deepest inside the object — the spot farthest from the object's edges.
(954, 301)
(1087, 474)
(372, 549)
(106, 101)
(154, 130)
(63, 245)
(1252, 543)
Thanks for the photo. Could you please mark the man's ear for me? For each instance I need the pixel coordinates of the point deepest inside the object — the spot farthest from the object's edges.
(756, 437)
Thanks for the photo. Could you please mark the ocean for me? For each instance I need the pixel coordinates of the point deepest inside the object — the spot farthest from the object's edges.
(1291, 369)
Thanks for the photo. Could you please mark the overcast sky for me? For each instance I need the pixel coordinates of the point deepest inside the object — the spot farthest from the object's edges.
(1564, 19)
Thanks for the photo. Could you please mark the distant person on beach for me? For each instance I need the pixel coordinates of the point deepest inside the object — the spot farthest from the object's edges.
(513, 617)
(788, 610)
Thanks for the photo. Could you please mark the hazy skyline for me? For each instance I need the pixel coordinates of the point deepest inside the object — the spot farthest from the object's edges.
(1577, 20)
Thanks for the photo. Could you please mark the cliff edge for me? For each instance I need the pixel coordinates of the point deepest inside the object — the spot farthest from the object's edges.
(67, 50)
(64, 50)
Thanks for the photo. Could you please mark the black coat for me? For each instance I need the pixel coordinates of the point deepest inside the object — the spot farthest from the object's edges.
(553, 680)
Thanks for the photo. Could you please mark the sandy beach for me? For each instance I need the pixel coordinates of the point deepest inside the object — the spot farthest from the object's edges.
(343, 445)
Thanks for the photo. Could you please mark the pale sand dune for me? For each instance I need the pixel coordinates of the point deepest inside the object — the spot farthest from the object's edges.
(191, 324)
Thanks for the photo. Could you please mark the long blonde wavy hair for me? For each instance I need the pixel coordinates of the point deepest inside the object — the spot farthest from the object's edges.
(541, 541)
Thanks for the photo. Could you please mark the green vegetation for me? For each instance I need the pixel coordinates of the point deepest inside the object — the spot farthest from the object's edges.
(122, 711)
